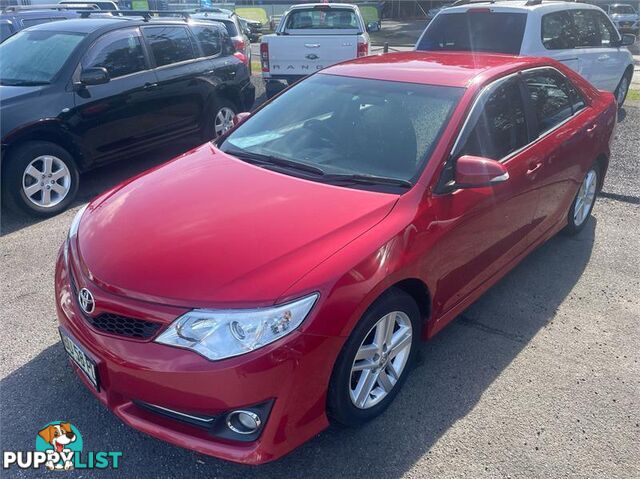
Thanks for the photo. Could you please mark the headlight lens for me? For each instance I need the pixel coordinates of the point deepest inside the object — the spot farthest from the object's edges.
(220, 334)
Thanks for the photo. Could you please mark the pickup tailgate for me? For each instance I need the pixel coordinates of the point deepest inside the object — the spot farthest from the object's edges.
(304, 54)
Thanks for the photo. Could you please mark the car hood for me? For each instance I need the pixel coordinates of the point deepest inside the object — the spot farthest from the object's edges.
(209, 230)
(16, 92)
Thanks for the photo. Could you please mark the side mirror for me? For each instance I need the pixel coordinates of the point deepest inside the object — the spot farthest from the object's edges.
(94, 76)
(628, 40)
(476, 172)
(373, 27)
(240, 117)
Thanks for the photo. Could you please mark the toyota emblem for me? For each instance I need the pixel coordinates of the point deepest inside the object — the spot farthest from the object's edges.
(87, 303)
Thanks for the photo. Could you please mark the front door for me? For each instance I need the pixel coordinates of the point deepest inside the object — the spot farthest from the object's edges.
(485, 228)
(116, 118)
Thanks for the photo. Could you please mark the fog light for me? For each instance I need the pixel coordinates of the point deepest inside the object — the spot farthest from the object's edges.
(243, 422)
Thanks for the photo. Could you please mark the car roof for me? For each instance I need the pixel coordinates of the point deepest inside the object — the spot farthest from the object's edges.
(520, 5)
(39, 13)
(455, 69)
(106, 23)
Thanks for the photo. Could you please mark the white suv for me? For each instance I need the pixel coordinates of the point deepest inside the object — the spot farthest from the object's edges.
(579, 35)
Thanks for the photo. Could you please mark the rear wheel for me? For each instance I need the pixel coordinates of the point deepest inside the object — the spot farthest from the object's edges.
(375, 360)
(221, 120)
(41, 178)
(583, 202)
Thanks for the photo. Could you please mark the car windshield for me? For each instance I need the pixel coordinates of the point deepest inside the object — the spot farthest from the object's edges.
(622, 10)
(477, 31)
(320, 18)
(35, 57)
(329, 126)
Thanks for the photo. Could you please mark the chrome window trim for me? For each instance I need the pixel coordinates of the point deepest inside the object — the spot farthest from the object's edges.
(490, 86)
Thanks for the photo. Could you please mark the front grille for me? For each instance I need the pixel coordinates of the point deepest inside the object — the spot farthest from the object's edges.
(123, 326)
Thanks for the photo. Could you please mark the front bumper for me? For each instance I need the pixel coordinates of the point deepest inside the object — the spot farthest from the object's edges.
(290, 375)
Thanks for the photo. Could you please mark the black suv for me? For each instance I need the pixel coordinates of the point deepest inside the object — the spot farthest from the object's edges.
(77, 94)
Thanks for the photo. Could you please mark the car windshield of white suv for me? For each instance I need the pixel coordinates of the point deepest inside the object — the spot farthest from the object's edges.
(476, 30)
(622, 10)
(347, 130)
(31, 58)
(320, 18)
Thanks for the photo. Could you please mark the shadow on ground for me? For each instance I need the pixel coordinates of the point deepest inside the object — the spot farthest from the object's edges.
(456, 368)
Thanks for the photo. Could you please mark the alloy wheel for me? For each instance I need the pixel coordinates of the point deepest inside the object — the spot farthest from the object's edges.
(585, 198)
(380, 360)
(224, 120)
(46, 181)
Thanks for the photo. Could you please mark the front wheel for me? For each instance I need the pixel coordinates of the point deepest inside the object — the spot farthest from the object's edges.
(623, 89)
(41, 178)
(375, 360)
(583, 202)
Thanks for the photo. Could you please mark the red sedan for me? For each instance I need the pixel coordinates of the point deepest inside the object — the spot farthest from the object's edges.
(238, 299)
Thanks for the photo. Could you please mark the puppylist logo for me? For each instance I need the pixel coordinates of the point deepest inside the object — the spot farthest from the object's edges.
(59, 447)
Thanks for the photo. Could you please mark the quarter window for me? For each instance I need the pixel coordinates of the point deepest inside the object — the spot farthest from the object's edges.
(169, 44)
(209, 40)
(550, 97)
(120, 52)
(500, 128)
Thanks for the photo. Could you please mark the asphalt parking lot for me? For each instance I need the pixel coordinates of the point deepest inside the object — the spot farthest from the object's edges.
(539, 378)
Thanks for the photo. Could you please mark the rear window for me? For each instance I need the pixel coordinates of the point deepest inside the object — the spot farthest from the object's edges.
(477, 31)
(322, 19)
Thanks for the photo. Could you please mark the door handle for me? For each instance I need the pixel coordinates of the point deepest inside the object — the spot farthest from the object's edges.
(592, 128)
(533, 167)
(150, 86)
(312, 45)
(603, 58)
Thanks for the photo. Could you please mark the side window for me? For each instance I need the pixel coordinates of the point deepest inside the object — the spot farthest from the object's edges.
(208, 39)
(558, 32)
(120, 52)
(29, 22)
(577, 100)
(169, 44)
(587, 27)
(550, 98)
(608, 33)
(501, 127)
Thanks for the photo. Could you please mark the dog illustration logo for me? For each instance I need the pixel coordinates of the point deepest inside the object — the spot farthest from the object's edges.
(63, 439)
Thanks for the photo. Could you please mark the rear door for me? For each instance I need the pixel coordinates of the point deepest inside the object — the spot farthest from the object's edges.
(559, 38)
(181, 80)
(566, 131)
(117, 117)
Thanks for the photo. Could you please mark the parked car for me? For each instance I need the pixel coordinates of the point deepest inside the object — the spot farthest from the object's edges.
(253, 28)
(231, 21)
(311, 37)
(17, 17)
(77, 94)
(577, 34)
(290, 269)
(625, 18)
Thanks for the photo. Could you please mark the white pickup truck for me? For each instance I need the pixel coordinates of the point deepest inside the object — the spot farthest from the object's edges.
(311, 37)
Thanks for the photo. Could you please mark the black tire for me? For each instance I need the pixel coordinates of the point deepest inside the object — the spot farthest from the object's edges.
(216, 105)
(572, 227)
(17, 161)
(627, 77)
(340, 407)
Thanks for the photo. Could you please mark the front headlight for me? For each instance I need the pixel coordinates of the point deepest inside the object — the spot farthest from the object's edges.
(75, 224)
(220, 334)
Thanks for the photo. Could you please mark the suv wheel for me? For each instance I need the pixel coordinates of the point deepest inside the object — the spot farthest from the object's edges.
(623, 89)
(41, 178)
(223, 118)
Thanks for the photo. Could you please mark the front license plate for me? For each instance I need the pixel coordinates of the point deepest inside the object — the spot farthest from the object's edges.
(83, 361)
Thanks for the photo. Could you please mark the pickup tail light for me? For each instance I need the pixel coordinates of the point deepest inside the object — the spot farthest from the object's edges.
(363, 49)
(264, 56)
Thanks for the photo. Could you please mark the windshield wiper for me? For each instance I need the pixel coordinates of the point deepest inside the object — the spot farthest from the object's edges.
(273, 160)
(9, 82)
(367, 180)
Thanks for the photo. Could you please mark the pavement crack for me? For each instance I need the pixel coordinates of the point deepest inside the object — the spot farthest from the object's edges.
(466, 321)
(634, 200)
